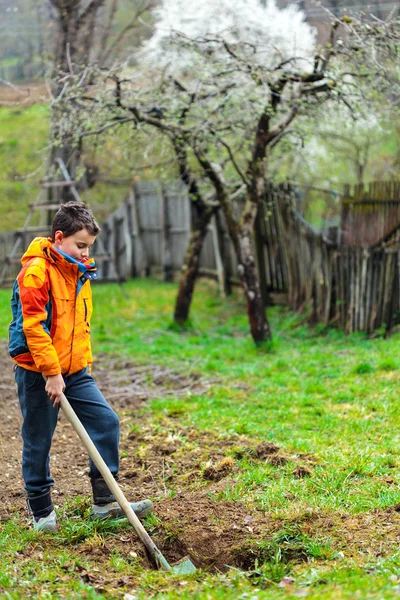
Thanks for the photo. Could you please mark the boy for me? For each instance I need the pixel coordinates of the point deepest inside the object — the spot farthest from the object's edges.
(50, 335)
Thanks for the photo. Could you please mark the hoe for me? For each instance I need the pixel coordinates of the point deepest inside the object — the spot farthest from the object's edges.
(185, 565)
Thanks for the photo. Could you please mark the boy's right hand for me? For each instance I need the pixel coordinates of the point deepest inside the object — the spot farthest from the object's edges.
(55, 385)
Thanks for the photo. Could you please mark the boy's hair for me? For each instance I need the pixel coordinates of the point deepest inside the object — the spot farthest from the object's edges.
(72, 217)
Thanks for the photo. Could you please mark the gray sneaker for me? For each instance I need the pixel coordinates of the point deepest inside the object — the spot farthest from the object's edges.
(48, 523)
(113, 509)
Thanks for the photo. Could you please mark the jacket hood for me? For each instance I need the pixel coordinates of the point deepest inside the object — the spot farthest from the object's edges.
(40, 247)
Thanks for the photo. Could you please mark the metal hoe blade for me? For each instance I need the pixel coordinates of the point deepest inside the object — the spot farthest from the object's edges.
(184, 567)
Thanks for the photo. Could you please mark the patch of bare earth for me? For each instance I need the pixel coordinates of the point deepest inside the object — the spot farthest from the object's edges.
(180, 467)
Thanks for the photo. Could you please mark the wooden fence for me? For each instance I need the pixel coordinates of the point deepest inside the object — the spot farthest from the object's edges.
(148, 233)
(308, 257)
(369, 213)
(7, 240)
(353, 287)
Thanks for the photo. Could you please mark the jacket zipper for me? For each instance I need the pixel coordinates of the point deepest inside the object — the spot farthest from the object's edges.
(73, 334)
(84, 302)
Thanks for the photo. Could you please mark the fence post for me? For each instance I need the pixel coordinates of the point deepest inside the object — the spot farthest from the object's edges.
(141, 257)
(130, 241)
(394, 302)
(106, 244)
(165, 237)
(120, 246)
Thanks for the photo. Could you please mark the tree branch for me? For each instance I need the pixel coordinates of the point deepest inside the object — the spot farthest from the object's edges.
(132, 25)
(233, 160)
(91, 8)
(107, 126)
(223, 196)
(285, 121)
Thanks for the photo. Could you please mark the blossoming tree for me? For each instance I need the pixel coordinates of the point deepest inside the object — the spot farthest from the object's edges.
(224, 84)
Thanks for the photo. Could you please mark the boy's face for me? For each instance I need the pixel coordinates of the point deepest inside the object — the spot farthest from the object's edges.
(76, 245)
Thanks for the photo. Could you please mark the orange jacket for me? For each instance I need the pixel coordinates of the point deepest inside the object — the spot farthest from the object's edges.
(50, 330)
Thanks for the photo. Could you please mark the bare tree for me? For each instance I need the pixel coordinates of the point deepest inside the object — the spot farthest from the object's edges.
(77, 22)
(226, 121)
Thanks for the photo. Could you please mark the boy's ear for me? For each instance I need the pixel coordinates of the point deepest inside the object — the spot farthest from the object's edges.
(58, 237)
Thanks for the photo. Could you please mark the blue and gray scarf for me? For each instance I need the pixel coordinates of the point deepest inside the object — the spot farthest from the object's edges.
(87, 269)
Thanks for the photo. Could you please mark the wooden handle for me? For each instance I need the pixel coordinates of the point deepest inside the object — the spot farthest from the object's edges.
(94, 454)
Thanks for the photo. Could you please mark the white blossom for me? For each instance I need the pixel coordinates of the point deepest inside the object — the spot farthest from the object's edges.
(274, 35)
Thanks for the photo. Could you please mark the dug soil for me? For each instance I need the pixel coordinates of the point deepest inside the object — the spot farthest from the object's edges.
(183, 470)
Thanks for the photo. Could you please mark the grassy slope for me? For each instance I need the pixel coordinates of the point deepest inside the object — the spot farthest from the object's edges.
(329, 396)
(23, 134)
(23, 142)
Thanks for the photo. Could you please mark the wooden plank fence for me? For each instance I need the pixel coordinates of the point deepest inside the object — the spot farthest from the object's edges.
(367, 282)
(149, 233)
(370, 212)
(309, 261)
(7, 239)
(355, 288)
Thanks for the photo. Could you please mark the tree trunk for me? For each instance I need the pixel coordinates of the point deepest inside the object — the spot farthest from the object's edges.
(224, 255)
(247, 268)
(190, 267)
(242, 238)
(201, 217)
(241, 235)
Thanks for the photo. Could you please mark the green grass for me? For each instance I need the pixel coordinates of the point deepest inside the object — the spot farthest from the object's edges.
(23, 155)
(23, 137)
(329, 396)
(309, 394)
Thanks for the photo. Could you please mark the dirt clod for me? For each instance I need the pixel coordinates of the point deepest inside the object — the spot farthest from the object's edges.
(165, 449)
(265, 449)
(278, 460)
(300, 471)
(219, 471)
